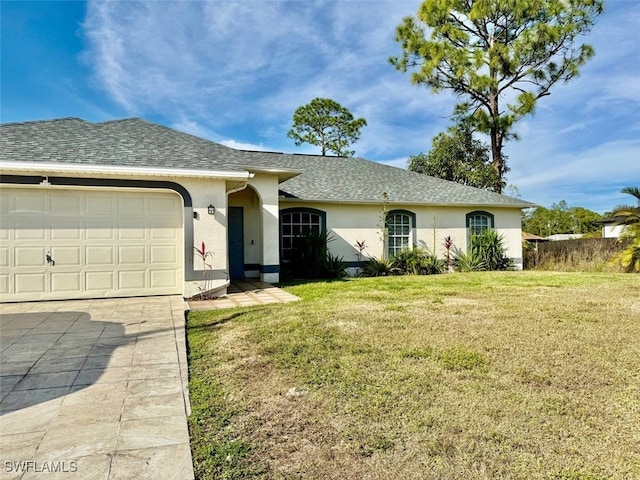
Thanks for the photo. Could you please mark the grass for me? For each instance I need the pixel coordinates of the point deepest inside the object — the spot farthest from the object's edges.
(511, 375)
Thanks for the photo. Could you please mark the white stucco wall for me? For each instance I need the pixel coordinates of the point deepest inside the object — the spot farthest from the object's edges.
(266, 186)
(261, 226)
(349, 223)
(210, 229)
(612, 231)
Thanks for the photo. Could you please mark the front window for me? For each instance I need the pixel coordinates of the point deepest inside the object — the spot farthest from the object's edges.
(399, 231)
(295, 224)
(479, 222)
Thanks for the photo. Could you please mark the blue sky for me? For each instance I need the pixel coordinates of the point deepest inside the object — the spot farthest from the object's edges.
(234, 72)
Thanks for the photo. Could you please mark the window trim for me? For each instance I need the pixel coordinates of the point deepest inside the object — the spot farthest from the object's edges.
(479, 213)
(412, 231)
(321, 213)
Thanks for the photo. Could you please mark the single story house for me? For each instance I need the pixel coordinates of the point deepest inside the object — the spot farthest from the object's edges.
(611, 229)
(118, 208)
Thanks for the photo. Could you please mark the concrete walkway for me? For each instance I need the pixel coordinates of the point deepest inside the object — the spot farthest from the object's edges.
(245, 293)
(94, 389)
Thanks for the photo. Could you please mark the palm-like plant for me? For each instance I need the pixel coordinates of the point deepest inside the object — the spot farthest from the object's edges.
(629, 215)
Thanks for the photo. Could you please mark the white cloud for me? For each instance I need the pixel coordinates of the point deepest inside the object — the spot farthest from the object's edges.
(244, 146)
(234, 71)
(396, 162)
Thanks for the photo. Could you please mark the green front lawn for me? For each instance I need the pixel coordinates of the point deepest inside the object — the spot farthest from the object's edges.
(511, 375)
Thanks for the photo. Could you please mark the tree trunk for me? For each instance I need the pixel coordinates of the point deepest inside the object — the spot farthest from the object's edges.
(496, 158)
(496, 140)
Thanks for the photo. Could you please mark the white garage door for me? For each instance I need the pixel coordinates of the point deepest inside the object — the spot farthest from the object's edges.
(61, 243)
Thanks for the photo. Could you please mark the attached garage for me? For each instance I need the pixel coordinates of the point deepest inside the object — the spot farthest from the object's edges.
(63, 243)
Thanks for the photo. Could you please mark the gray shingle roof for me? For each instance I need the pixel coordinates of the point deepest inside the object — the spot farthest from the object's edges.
(130, 142)
(137, 143)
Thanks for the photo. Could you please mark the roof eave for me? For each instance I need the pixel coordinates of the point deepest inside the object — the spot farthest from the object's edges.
(8, 167)
(520, 206)
(283, 174)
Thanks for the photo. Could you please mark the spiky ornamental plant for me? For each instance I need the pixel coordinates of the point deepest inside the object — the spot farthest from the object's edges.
(207, 269)
(487, 50)
(448, 246)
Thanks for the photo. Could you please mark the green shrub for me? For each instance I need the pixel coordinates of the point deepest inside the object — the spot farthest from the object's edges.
(334, 267)
(418, 261)
(487, 252)
(309, 255)
(375, 267)
(468, 262)
(629, 258)
(488, 245)
(312, 259)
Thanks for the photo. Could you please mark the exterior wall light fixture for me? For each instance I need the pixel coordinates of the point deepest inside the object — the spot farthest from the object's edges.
(211, 210)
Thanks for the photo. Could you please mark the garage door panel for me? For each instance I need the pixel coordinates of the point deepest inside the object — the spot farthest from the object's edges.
(130, 205)
(132, 255)
(163, 254)
(7, 204)
(163, 278)
(65, 282)
(105, 243)
(131, 279)
(29, 256)
(66, 256)
(30, 202)
(31, 228)
(99, 281)
(4, 284)
(66, 203)
(163, 207)
(99, 255)
(131, 230)
(66, 228)
(100, 229)
(99, 204)
(29, 283)
(160, 233)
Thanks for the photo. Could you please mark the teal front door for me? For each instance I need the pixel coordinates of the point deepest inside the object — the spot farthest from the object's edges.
(235, 232)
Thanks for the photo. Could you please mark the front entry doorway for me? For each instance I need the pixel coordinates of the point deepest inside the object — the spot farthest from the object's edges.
(235, 232)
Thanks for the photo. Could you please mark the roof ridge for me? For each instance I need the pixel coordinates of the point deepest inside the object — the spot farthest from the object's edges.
(118, 120)
(50, 120)
(290, 153)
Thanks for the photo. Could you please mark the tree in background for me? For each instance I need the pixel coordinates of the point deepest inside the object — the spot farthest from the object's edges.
(585, 220)
(629, 215)
(560, 218)
(458, 157)
(484, 51)
(326, 124)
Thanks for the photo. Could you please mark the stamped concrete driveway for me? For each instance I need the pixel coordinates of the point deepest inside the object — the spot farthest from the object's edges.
(94, 389)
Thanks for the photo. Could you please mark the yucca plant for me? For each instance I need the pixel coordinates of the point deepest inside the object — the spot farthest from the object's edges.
(334, 267)
(488, 246)
(468, 262)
